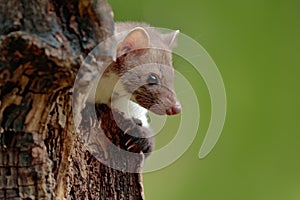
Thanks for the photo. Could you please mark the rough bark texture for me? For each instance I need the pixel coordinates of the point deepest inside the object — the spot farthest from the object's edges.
(43, 154)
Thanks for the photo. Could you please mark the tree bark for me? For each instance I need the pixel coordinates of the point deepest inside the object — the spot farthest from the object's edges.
(43, 146)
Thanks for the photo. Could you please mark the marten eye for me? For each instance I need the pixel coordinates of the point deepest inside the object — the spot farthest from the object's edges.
(152, 79)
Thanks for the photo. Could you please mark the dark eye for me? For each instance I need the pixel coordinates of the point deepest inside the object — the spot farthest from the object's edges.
(152, 79)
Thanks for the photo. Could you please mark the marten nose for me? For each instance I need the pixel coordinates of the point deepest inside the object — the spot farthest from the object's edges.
(174, 110)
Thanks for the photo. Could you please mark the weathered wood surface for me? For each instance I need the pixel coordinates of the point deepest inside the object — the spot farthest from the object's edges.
(43, 155)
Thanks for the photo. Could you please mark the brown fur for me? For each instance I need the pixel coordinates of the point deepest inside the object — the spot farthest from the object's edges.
(136, 65)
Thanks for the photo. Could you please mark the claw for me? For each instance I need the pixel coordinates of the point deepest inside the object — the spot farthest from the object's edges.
(131, 146)
(128, 141)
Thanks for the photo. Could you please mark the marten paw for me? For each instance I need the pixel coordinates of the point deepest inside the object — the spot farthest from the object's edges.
(129, 134)
(137, 140)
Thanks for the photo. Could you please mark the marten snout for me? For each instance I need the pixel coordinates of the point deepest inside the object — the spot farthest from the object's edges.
(172, 105)
(167, 105)
(174, 110)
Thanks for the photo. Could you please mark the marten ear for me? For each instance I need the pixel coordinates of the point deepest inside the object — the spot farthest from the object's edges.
(170, 38)
(136, 39)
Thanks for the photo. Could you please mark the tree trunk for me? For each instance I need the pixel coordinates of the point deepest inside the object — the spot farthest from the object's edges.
(43, 146)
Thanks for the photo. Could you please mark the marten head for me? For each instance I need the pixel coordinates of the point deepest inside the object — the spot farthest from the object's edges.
(144, 64)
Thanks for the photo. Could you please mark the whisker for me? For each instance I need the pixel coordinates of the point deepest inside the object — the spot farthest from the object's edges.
(146, 97)
(149, 99)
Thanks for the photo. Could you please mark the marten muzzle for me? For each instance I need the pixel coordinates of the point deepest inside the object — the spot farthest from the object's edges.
(174, 110)
(168, 107)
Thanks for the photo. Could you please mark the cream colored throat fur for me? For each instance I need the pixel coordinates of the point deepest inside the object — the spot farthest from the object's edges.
(111, 92)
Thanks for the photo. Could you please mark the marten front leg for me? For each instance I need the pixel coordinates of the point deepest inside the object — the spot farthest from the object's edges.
(139, 139)
(126, 133)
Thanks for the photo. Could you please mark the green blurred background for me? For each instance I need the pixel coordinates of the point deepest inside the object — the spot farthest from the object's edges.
(256, 47)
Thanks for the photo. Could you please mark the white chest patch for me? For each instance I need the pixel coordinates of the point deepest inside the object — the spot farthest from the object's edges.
(111, 92)
(139, 112)
(131, 109)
